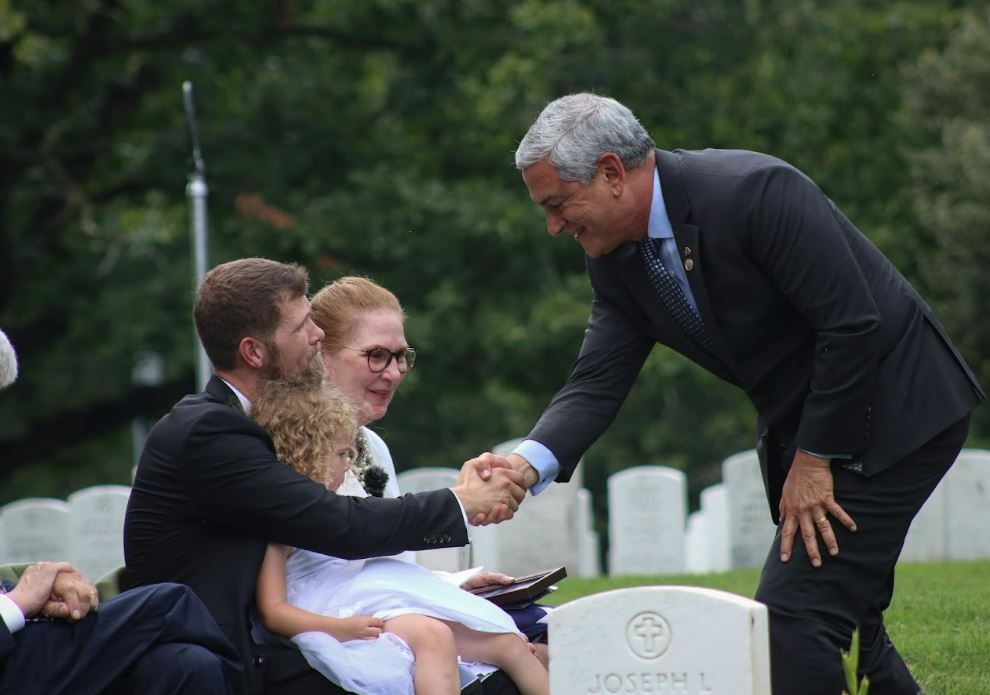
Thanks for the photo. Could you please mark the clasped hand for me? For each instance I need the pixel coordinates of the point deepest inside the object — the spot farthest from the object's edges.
(805, 503)
(55, 590)
(489, 489)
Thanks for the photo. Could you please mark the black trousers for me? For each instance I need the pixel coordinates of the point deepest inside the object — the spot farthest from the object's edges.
(154, 640)
(813, 611)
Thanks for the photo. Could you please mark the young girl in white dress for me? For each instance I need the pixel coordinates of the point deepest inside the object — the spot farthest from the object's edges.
(379, 626)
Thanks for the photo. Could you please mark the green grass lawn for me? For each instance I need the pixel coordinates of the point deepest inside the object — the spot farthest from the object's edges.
(939, 620)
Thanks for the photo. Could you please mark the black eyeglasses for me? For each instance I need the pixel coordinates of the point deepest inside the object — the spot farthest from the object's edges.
(380, 358)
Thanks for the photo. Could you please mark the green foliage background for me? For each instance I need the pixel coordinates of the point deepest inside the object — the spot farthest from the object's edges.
(376, 137)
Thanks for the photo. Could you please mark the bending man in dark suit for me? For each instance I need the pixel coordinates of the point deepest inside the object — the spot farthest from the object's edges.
(863, 402)
(209, 494)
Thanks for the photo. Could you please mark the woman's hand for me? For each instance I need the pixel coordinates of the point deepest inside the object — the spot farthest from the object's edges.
(486, 579)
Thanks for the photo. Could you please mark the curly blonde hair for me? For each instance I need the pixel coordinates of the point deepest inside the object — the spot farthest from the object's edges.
(305, 423)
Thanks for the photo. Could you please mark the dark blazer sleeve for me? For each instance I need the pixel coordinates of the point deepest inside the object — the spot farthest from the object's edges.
(610, 358)
(236, 481)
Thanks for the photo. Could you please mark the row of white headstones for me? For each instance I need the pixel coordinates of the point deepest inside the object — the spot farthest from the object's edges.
(645, 639)
(650, 532)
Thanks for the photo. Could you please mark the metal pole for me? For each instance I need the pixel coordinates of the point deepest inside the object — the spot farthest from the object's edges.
(197, 192)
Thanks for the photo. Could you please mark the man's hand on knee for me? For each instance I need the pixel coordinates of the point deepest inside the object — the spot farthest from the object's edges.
(805, 504)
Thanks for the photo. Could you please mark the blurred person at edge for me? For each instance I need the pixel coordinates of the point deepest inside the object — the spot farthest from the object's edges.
(55, 637)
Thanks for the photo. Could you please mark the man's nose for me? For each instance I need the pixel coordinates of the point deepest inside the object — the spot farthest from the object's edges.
(317, 333)
(555, 224)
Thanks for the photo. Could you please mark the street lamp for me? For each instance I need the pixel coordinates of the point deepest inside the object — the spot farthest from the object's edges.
(197, 192)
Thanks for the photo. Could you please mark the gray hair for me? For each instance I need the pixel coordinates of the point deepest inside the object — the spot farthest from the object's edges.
(8, 362)
(572, 132)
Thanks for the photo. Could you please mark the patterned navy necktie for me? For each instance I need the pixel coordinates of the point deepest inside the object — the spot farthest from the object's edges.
(666, 285)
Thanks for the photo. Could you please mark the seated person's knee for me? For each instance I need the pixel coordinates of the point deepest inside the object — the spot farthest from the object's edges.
(179, 667)
(421, 631)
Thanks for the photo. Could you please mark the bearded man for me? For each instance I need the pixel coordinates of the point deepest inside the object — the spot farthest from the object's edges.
(209, 494)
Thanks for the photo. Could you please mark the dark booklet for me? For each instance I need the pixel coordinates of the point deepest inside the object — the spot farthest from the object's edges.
(523, 589)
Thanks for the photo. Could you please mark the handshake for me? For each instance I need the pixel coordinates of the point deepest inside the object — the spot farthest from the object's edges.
(491, 488)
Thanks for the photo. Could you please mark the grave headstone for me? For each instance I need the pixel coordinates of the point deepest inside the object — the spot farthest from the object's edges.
(97, 528)
(423, 480)
(660, 639)
(715, 506)
(967, 514)
(36, 528)
(925, 540)
(697, 550)
(647, 506)
(751, 530)
(589, 558)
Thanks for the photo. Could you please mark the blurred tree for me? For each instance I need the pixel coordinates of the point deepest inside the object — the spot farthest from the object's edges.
(948, 101)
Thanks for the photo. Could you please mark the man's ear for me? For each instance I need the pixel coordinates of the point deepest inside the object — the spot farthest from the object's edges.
(253, 352)
(610, 168)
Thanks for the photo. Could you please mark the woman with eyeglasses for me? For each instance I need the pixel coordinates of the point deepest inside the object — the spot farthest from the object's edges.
(366, 357)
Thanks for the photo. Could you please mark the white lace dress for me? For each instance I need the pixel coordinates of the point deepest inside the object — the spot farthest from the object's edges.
(385, 588)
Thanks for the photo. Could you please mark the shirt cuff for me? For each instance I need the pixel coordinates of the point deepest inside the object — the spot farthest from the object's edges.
(11, 613)
(542, 459)
(461, 506)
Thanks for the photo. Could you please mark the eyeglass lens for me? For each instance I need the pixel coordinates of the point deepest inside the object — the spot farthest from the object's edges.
(379, 359)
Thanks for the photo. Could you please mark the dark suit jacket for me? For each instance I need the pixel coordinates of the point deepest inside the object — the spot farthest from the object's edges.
(209, 495)
(834, 348)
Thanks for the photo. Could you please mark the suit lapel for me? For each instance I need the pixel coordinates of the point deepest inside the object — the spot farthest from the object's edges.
(689, 248)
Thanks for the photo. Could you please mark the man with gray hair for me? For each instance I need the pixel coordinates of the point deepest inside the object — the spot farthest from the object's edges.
(740, 263)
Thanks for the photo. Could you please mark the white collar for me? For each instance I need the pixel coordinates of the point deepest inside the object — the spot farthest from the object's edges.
(245, 403)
